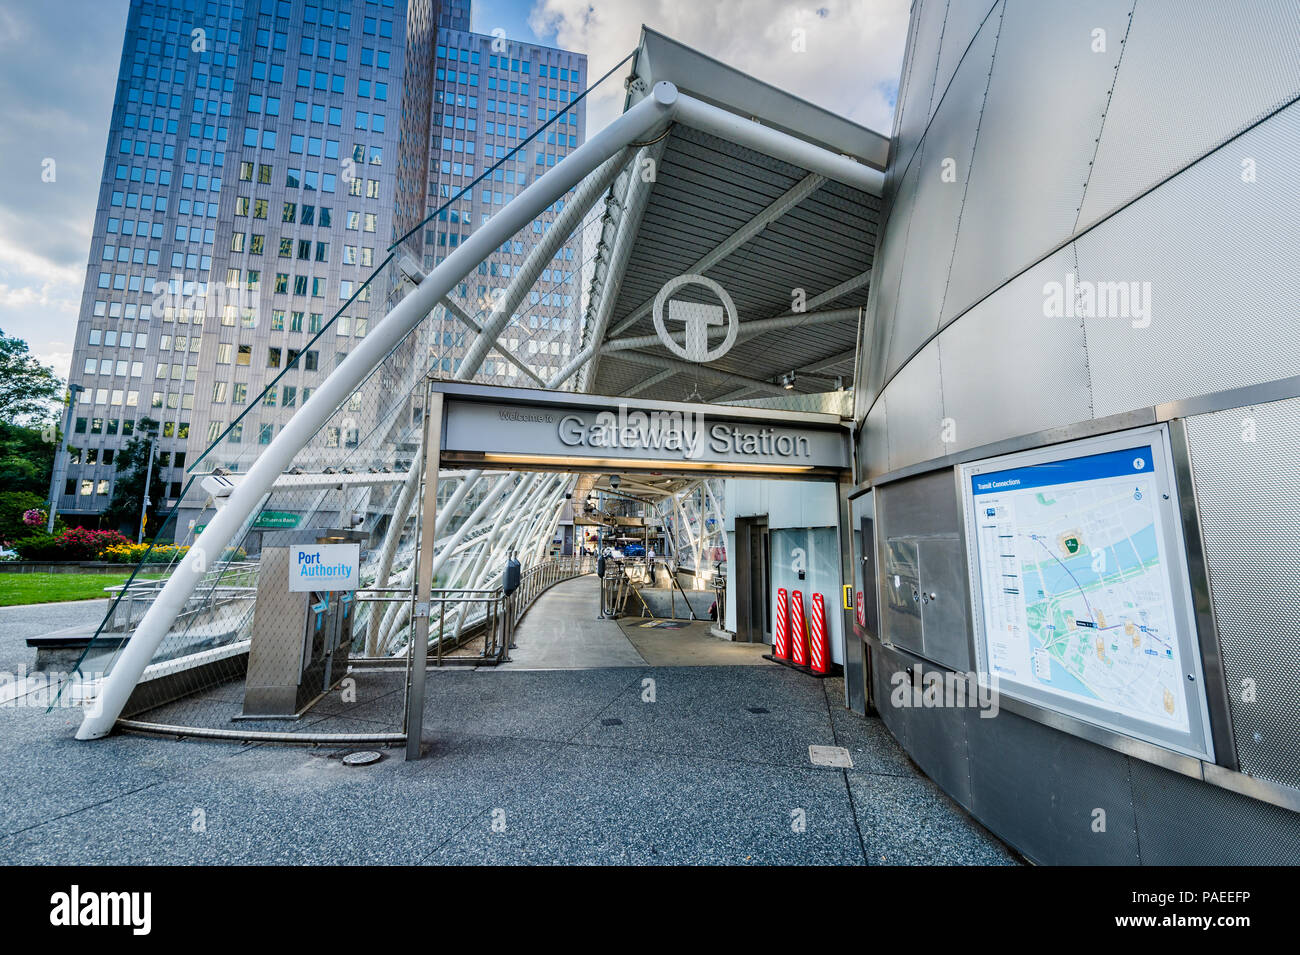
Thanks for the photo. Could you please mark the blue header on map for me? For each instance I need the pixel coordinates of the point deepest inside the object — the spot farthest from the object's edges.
(1093, 467)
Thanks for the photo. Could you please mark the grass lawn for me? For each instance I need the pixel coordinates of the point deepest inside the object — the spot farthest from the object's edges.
(18, 589)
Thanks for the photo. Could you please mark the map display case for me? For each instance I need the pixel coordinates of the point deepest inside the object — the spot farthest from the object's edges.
(1080, 596)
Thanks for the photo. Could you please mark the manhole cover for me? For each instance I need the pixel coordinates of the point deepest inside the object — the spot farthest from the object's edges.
(830, 756)
(611, 722)
(364, 758)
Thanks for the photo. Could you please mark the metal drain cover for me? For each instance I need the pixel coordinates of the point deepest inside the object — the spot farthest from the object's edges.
(830, 756)
(362, 758)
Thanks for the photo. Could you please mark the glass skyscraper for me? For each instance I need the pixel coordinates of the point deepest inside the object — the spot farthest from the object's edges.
(490, 95)
(251, 184)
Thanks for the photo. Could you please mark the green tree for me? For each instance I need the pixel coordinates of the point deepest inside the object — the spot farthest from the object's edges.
(132, 462)
(13, 504)
(29, 391)
(27, 457)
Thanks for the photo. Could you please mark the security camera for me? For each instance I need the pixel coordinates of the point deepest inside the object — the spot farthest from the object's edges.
(614, 481)
(568, 495)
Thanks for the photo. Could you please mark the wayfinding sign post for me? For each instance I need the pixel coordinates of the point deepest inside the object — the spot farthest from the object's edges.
(1079, 585)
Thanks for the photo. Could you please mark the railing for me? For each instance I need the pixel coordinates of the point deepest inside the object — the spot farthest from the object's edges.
(229, 595)
(459, 616)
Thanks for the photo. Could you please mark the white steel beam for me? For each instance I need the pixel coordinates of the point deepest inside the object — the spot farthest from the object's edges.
(640, 122)
(771, 142)
(634, 205)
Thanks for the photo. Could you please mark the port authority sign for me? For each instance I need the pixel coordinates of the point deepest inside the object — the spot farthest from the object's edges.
(526, 429)
(324, 567)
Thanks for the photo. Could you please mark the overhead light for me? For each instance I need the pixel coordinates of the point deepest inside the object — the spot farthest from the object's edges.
(787, 381)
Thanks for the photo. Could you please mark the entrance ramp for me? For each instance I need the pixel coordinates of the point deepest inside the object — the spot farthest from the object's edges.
(562, 632)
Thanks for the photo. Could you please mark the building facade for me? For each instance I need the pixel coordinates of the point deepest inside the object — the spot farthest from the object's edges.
(248, 181)
(1143, 169)
(262, 158)
(490, 95)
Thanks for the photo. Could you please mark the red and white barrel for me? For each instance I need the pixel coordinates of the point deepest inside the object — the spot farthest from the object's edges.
(781, 630)
(819, 646)
(798, 638)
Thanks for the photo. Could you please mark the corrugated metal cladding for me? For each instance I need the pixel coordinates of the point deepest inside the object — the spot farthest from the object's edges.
(1150, 144)
(707, 189)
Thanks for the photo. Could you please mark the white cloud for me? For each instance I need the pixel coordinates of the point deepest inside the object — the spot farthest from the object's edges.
(852, 49)
(17, 260)
(60, 360)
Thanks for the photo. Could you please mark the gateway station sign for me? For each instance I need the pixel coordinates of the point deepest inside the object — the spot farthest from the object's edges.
(542, 430)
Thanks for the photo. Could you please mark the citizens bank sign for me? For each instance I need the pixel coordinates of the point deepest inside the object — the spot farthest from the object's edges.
(587, 430)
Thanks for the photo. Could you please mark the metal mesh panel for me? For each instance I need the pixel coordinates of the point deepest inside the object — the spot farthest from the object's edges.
(1248, 490)
(1193, 74)
(1182, 821)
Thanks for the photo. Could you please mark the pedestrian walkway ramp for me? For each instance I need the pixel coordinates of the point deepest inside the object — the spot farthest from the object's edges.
(563, 631)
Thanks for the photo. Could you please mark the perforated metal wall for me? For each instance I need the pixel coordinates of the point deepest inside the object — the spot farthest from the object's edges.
(1183, 822)
(943, 166)
(1028, 178)
(1247, 474)
(1103, 163)
(1194, 73)
(1215, 258)
(1006, 368)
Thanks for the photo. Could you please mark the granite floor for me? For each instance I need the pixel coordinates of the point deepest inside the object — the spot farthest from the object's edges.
(632, 764)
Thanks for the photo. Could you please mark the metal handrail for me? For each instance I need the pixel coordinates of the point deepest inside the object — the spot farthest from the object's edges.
(500, 613)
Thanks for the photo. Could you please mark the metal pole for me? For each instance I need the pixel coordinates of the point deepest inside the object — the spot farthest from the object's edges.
(148, 477)
(60, 463)
(424, 574)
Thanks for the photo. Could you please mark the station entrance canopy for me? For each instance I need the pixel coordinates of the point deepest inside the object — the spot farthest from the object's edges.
(533, 430)
(708, 179)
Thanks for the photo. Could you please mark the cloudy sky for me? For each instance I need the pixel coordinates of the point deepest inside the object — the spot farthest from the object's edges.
(58, 67)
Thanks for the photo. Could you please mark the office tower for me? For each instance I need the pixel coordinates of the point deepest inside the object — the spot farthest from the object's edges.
(251, 185)
(490, 94)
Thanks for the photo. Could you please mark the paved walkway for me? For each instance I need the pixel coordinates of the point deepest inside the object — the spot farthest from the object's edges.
(689, 644)
(560, 632)
(38, 620)
(681, 764)
(674, 765)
